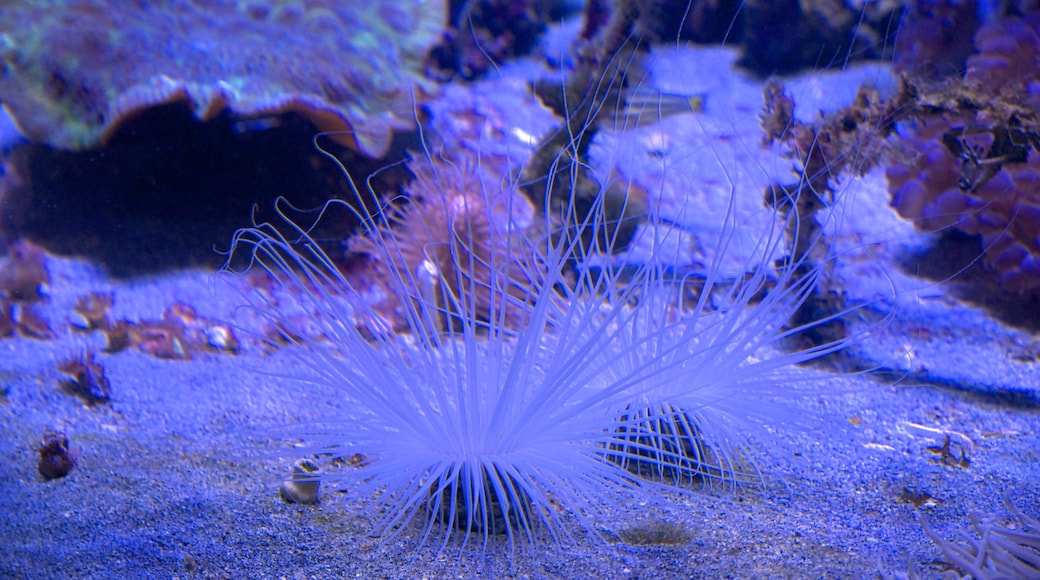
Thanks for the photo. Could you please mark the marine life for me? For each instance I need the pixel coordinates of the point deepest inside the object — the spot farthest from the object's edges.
(498, 424)
(69, 79)
(998, 551)
(57, 459)
(31, 323)
(973, 160)
(177, 336)
(456, 231)
(92, 311)
(570, 347)
(303, 485)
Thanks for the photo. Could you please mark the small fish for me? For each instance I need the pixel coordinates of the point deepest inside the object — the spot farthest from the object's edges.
(648, 106)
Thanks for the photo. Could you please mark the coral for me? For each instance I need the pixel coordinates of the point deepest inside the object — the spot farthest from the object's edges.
(484, 33)
(8, 326)
(851, 140)
(30, 324)
(24, 279)
(962, 152)
(460, 225)
(179, 335)
(75, 70)
(848, 141)
(935, 37)
(163, 339)
(1005, 210)
(704, 21)
(93, 311)
(973, 160)
(1006, 56)
(600, 86)
(815, 32)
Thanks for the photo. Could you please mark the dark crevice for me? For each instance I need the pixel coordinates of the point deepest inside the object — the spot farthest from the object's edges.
(168, 191)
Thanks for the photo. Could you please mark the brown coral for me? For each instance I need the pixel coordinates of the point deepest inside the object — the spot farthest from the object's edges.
(74, 70)
(974, 161)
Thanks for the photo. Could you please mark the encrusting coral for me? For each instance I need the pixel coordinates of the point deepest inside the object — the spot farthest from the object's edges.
(74, 70)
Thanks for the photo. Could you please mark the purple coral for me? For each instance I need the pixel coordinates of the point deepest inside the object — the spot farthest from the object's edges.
(977, 168)
(1005, 210)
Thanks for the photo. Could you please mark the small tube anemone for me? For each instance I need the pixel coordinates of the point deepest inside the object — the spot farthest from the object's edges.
(999, 551)
(525, 415)
(698, 373)
(461, 227)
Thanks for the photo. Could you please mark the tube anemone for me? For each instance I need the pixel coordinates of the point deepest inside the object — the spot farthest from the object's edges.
(486, 425)
(462, 226)
(527, 380)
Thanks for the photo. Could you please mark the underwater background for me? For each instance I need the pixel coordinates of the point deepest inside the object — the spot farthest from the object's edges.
(150, 419)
